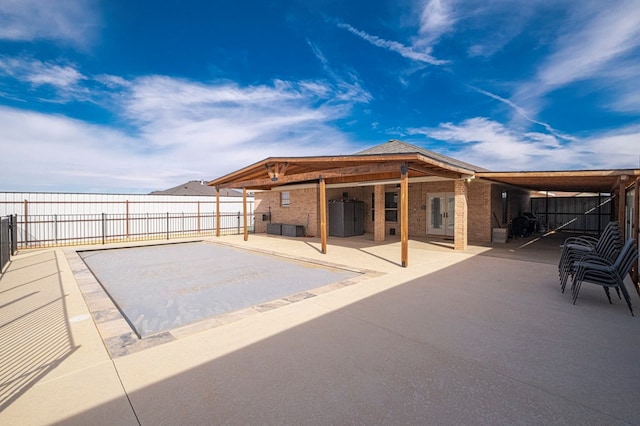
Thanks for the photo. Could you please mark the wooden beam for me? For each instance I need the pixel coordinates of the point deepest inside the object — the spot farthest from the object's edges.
(323, 216)
(367, 169)
(244, 213)
(435, 171)
(404, 215)
(217, 211)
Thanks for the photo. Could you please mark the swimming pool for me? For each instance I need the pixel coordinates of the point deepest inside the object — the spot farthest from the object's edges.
(161, 287)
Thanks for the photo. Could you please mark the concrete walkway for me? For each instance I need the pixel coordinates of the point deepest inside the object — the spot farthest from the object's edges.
(481, 337)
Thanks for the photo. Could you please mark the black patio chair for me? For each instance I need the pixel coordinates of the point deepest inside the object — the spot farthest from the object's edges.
(574, 248)
(597, 270)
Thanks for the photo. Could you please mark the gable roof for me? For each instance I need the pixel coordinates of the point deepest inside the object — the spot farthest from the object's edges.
(395, 146)
(345, 169)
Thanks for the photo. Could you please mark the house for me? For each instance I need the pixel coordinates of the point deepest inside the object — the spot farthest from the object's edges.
(196, 188)
(408, 191)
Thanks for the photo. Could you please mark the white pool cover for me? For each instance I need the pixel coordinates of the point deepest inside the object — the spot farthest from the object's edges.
(161, 287)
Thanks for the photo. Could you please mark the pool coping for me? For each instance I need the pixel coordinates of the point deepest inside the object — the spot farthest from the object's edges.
(121, 339)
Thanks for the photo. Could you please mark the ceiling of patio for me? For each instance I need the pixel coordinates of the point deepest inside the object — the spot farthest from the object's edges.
(597, 181)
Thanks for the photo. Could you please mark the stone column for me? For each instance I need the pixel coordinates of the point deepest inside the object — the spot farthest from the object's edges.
(379, 229)
(461, 214)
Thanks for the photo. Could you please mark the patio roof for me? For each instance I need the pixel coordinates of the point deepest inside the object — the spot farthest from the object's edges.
(381, 164)
(565, 181)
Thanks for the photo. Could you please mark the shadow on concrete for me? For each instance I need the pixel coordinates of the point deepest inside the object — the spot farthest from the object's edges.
(29, 356)
(484, 341)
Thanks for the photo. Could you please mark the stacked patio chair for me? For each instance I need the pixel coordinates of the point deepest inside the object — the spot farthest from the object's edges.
(597, 270)
(574, 248)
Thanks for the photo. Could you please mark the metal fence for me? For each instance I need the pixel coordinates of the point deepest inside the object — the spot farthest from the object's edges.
(8, 239)
(35, 231)
(576, 214)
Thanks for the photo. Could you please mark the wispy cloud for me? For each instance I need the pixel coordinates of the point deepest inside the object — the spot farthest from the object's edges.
(394, 46)
(594, 44)
(350, 85)
(65, 79)
(436, 18)
(490, 144)
(177, 130)
(70, 21)
(522, 113)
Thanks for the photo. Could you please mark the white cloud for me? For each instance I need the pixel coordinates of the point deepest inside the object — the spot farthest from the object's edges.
(436, 18)
(394, 46)
(182, 130)
(70, 21)
(492, 145)
(65, 79)
(595, 43)
(522, 113)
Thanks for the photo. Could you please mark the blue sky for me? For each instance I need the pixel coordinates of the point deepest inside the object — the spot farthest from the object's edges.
(134, 96)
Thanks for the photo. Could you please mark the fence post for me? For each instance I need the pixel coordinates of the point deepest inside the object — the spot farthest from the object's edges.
(104, 228)
(55, 228)
(238, 223)
(198, 216)
(14, 233)
(167, 225)
(127, 217)
(26, 223)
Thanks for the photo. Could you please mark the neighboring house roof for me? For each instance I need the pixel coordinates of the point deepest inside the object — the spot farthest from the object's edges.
(395, 146)
(197, 187)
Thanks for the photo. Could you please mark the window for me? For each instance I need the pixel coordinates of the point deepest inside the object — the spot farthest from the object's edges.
(391, 206)
(284, 199)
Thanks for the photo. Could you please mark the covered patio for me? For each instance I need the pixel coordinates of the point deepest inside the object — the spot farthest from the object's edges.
(378, 167)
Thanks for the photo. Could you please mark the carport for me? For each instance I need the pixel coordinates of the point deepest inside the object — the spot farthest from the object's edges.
(619, 183)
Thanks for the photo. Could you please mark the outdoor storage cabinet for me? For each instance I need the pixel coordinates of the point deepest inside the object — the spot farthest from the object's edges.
(346, 218)
(292, 230)
(274, 228)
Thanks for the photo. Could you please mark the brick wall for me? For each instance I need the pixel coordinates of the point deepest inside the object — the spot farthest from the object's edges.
(480, 206)
(302, 209)
(483, 200)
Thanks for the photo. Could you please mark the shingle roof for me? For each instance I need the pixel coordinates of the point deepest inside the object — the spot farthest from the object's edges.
(197, 187)
(398, 147)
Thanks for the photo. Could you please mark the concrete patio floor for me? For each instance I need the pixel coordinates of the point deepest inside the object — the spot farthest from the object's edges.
(476, 337)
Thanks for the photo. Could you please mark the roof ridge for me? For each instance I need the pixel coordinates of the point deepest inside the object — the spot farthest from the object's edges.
(395, 146)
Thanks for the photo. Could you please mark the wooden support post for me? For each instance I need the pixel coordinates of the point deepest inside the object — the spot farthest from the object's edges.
(244, 213)
(217, 212)
(323, 216)
(622, 195)
(404, 215)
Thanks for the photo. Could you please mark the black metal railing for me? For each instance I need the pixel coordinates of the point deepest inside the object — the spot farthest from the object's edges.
(8, 240)
(64, 229)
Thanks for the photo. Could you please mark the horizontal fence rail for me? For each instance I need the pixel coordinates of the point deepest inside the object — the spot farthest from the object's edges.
(36, 231)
